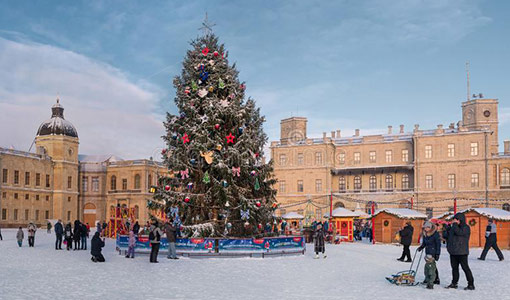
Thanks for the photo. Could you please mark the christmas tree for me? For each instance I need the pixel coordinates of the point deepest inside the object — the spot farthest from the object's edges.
(218, 183)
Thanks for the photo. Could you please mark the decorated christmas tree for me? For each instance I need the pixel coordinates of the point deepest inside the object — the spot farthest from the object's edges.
(218, 183)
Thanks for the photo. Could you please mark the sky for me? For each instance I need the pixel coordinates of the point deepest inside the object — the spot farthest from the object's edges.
(342, 64)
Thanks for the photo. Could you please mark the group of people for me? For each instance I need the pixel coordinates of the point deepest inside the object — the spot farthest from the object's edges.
(20, 235)
(155, 235)
(77, 234)
(456, 236)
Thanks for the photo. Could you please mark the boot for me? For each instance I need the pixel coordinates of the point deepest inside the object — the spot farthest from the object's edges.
(452, 286)
(316, 256)
(481, 258)
(430, 286)
(470, 287)
(437, 281)
(400, 259)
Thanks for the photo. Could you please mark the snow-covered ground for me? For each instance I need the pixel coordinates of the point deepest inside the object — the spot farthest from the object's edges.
(351, 271)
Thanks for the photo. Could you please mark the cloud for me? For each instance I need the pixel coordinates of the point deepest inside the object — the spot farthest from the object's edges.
(112, 113)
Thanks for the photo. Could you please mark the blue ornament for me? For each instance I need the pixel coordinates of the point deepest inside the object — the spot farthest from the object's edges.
(201, 67)
(193, 161)
(204, 75)
(183, 115)
(190, 185)
(174, 136)
(224, 183)
(241, 129)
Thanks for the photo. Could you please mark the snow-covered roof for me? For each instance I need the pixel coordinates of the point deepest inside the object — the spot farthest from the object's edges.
(341, 212)
(489, 212)
(292, 215)
(361, 214)
(403, 213)
(443, 215)
(98, 158)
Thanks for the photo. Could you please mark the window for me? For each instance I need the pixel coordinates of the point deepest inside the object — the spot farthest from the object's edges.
(389, 182)
(4, 214)
(357, 157)
(16, 177)
(15, 195)
(47, 198)
(428, 151)
(341, 184)
(300, 159)
(68, 215)
(137, 181)
(26, 214)
(27, 196)
(27, 178)
(372, 183)
(283, 159)
(47, 214)
(341, 158)
(37, 179)
(451, 150)
(389, 156)
(428, 182)
(15, 214)
(506, 206)
(370, 207)
(4, 195)
(113, 183)
(282, 186)
(69, 182)
(300, 186)
(372, 157)
(451, 181)
(47, 180)
(68, 199)
(405, 155)
(149, 180)
(37, 197)
(405, 182)
(318, 158)
(474, 180)
(357, 183)
(95, 184)
(5, 174)
(505, 176)
(124, 184)
(318, 185)
(474, 149)
(37, 215)
(429, 211)
(84, 184)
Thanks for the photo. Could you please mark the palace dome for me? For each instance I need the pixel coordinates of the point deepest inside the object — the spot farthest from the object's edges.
(57, 125)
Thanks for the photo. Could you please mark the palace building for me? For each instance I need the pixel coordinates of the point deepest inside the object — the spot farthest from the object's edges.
(56, 182)
(430, 170)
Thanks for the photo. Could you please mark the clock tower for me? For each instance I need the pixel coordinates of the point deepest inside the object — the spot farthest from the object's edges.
(480, 114)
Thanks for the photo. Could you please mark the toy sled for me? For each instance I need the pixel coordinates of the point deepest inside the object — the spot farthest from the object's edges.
(407, 277)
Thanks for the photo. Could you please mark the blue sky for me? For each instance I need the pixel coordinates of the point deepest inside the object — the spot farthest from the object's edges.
(342, 64)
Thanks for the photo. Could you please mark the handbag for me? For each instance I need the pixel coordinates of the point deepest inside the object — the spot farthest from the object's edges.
(397, 237)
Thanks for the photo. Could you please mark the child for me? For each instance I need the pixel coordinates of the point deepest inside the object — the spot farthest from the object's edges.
(131, 245)
(430, 271)
(19, 236)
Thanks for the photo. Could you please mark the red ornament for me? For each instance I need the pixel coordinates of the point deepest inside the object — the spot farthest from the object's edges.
(216, 53)
(185, 138)
(186, 92)
(167, 187)
(230, 138)
(217, 126)
(186, 199)
(243, 86)
(259, 226)
(257, 155)
(163, 151)
(205, 51)
(258, 204)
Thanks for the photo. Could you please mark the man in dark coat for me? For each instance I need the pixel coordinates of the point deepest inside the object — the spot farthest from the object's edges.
(136, 228)
(491, 241)
(59, 231)
(431, 242)
(457, 243)
(406, 238)
(96, 245)
(77, 235)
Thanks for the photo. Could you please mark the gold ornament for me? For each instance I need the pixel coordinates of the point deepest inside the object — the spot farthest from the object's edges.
(219, 147)
(208, 156)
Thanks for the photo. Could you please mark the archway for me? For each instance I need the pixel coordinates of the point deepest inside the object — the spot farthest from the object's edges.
(89, 214)
(338, 204)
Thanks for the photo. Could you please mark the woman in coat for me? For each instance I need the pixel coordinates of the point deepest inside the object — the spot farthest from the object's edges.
(319, 241)
(431, 242)
(96, 246)
(31, 234)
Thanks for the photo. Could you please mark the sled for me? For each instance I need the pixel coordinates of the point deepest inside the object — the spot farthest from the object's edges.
(407, 277)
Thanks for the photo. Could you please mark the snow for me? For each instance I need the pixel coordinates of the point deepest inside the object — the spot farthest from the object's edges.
(404, 213)
(351, 271)
(342, 212)
(490, 212)
(292, 215)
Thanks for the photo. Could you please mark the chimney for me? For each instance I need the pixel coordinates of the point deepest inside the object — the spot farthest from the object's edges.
(338, 134)
(332, 134)
(390, 129)
(416, 127)
(323, 135)
(439, 129)
(507, 146)
(356, 132)
(401, 128)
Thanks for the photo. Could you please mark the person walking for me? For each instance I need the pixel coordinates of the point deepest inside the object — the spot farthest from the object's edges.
(171, 233)
(406, 238)
(96, 246)
(155, 238)
(319, 237)
(131, 245)
(1, 238)
(431, 242)
(68, 235)
(77, 235)
(59, 231)
(48, 227)
(491, 241)
(457, 243)
(20, 236)
(83, 236)
(31, 229)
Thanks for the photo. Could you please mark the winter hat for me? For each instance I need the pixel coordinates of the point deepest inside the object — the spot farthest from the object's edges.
(427, 224)
(429, 258)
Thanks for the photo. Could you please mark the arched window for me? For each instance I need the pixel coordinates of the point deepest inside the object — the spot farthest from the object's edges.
(357, 183)
(137, 181)
(505, 176)
(506, 206)
(368, 207)
(339, 204)
(113, 183)
(405, 182)
(389, 182)
(372, 183)
(341, 184)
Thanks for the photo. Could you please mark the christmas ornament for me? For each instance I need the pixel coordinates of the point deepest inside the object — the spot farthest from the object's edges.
(194, 86)
(236, 171)
(163, 152)
(204, 75)
(185, 138)
(205, 51)
(193, 161)
(174, 136)
(219, 147)
(259, 226)
(190, 185)
(274, 206)
(256, 155)
(221, 84)
(227, 204)
(215, 53)
(167, 187)
(216, 126)
(258, 204)
(242, 86)
(202, 93)
(230, 138)
(208, 156)
(186, 199)
(184, 174)
(253, 173)
(211, 62)
(183, 115)
(241, 130)
(246, 224)
(187, 91)
(201, 67)
(257, 185)
(245, 214)
(224, 103)
(224, 183)
(211, 89)
(204, 118)
(206, 178)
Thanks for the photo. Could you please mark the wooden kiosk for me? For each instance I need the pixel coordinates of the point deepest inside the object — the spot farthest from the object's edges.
(387, 222)
(342, 221)
(294, 222)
